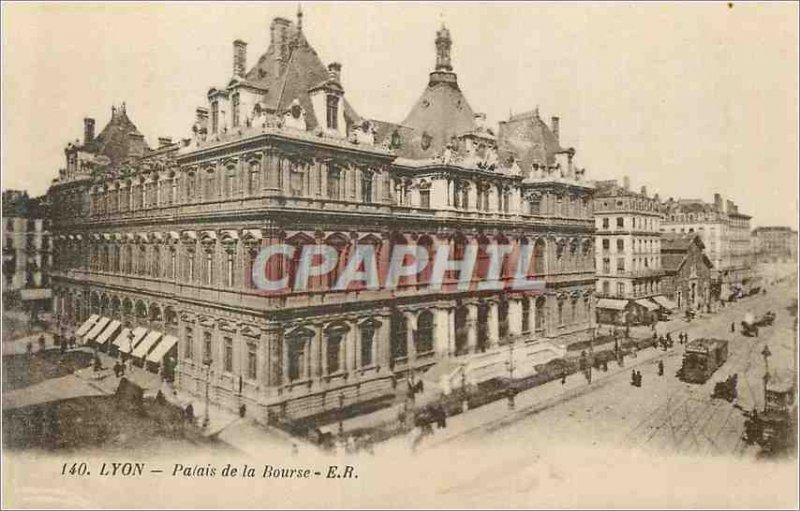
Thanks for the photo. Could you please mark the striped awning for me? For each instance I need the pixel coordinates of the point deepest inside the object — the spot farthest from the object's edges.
(110, 330)
(86, 325)
(161, 349)
(96, 329)
(143, 348)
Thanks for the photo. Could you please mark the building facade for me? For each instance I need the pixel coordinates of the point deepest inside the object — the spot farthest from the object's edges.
(687, 271)
(725, 232)
(775, 244)
(167, 238)
(26, 252)
(627, 252)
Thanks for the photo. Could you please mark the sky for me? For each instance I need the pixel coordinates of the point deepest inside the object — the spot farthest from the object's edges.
(687, 99)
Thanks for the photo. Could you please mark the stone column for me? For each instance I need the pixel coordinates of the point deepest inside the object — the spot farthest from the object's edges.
(441, 339)
(514, 317)
(472, 327)
(411, 329)
(493, 326)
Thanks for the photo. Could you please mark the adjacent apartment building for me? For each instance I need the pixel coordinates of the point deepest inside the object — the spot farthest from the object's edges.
(725, 232)
(26, 252)
(775, 244)
(162, 241)
(627, 253)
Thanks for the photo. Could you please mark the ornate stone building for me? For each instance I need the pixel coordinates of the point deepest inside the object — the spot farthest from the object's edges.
(166, 239)
(774, 244)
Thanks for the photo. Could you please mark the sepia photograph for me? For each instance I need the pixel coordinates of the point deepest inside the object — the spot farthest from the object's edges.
(399, 255)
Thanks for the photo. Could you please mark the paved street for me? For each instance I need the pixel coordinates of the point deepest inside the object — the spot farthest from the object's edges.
(664, 414)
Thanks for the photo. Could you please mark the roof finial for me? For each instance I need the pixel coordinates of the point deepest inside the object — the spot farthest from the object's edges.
(299, 17)
(443, 45)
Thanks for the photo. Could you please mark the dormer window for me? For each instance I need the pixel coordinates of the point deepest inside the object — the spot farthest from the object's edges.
(332, 102)
(214, 116)
(395, 141)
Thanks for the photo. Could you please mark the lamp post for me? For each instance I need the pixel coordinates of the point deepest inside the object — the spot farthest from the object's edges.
(207, 365)
(510, 365)
(341, 417)
(766, 353)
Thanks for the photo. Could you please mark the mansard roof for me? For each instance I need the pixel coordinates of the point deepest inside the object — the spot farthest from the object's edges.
(119, 139)
(528, 137)
(292, 77)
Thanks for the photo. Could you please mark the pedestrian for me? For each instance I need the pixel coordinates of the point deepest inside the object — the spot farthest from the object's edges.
(563, 376)
(639, 378)
(633, 377)
(733, 327)
(29, 347)
(661, 368)
(294, 450)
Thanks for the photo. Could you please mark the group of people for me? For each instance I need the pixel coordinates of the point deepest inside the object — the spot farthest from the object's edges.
(636, 378)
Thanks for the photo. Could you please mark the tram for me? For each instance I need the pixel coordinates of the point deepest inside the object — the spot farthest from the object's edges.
(701, 358)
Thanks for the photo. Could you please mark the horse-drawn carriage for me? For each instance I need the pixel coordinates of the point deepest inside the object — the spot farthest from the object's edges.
(774, 429)
(727, 389)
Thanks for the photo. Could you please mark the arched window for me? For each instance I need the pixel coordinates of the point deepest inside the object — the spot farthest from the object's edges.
(502, 319)
(156, 267)
(424, 340)
(334, 182)
(334, 341)
(424, 273)
(367, 335)
(191, 186)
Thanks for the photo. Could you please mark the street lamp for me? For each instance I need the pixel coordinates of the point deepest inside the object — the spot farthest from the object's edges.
(766, 353)
(510, 365)
(341, 417)
(207, 365)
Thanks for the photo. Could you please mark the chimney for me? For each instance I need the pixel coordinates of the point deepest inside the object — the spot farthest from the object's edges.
(279, 38)
(555, 125)
(239, 57)
(88, 130)
(718, 202)
(335, 72)
(164, 142)
(644, 191)
(626, 183)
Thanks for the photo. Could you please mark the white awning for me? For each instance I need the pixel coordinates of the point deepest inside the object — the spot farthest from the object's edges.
(134, 339)
(144, 347)
(86, 325)
(647, 304)
(664, 302)
(106, 334)
(162, 349)
(609, 303)
(96, 329)
(122, 337)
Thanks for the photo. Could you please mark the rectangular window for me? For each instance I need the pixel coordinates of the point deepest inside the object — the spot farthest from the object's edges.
(606, 244)
(425, 199)
(228, 360)
(366, 187)
(209, 268)
(235, 107)
(189, 347)
(367, 336)
(333, 352)
(620, 264)
(252, 361)
(620, 245)
(620, 289)
(605, 223)
(207, 347)
(333, 112)
(334, 185)
(229, 269)
(606, 265)
(620, 222)
(214, 116)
